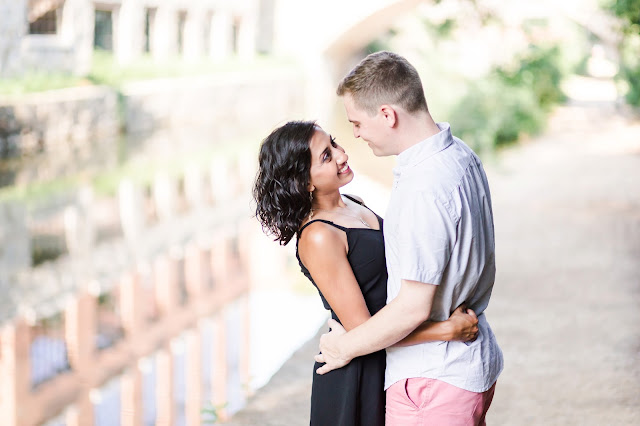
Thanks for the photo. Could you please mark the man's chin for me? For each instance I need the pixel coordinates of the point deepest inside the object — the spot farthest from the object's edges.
(376, 151)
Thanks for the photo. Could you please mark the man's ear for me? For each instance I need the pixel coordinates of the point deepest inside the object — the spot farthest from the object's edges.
(389, 115)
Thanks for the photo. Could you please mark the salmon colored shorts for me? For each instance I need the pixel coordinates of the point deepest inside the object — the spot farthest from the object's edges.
(421, 401)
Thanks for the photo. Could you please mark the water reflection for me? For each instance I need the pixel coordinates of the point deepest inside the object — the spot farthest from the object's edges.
(135, 280)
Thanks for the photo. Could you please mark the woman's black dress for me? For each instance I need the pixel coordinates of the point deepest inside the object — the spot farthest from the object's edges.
(354, 394)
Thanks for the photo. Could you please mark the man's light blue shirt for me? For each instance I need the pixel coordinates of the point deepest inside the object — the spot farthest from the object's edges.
(438, 229)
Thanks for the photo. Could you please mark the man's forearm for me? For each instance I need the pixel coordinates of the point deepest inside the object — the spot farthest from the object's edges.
(393, 322)
(428, 331)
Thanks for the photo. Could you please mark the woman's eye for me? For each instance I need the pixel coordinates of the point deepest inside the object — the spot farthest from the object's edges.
(333, 142)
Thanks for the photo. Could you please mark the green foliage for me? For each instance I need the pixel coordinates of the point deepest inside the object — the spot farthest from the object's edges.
(105, 70)
(632, 76)
(630, 67)
(381, 43)
(538, 69)
(629, 12)
(440, 30)
(580, 67)
(38, 81)
(35, 191)
(446, 28)
(210, 413)
(510, 101)
(494, 113)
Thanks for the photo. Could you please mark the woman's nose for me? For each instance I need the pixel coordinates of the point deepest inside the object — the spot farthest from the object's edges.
(342, 156)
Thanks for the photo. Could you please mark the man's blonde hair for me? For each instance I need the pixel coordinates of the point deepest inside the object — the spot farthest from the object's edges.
(384, 78)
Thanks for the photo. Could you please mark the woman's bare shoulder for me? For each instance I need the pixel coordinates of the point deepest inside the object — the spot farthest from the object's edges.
(319, 235)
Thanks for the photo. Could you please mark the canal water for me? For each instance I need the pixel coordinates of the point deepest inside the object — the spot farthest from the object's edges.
(281, 319)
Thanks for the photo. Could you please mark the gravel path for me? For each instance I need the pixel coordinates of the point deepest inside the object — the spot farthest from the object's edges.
(566, 305)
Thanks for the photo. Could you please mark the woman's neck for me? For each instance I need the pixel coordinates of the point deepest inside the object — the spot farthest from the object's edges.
(328, 201)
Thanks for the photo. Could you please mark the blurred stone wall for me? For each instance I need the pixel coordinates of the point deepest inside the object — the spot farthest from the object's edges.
(65, 126)
(57, 120)
(252, 101)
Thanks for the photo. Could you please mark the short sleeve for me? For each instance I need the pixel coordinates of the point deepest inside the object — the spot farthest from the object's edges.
(426, 238)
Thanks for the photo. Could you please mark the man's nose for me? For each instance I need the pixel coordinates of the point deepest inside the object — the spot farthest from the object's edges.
(356, 132)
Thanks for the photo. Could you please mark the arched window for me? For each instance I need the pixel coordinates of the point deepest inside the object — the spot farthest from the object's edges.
(44, 16)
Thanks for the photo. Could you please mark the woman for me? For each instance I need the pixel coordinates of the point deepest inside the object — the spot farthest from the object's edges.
(340, 248)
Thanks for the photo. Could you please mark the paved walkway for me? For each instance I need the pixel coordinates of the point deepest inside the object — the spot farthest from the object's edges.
(566, 305)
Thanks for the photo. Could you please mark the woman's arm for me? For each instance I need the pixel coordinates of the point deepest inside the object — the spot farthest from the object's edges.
(462, 326)
(323, 251)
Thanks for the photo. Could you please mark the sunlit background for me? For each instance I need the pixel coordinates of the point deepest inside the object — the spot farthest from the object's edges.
(136, 288)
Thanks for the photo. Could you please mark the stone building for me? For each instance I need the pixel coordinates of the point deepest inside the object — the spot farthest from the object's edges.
(62, 34)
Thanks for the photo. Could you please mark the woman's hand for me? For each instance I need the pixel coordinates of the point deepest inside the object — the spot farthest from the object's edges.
(464, 324)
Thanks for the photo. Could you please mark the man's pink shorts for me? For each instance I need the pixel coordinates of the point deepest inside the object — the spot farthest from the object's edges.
(420, 401)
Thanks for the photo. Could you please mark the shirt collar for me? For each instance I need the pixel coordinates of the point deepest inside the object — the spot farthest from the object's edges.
(424, 149)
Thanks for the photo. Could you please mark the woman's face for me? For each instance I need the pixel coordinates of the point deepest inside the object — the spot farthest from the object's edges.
(329, 168)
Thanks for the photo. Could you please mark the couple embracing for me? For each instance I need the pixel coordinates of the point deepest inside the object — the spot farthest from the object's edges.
(409, 341)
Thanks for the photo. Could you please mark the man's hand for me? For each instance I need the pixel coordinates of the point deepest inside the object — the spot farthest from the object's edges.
(464, 323)
(330, 349)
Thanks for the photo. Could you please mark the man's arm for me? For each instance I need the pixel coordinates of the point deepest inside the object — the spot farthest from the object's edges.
(392, 323)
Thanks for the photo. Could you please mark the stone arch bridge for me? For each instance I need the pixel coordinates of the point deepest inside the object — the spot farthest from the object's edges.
(328, 37)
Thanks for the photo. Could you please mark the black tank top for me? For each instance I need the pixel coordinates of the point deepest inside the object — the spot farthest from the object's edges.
(366, 257)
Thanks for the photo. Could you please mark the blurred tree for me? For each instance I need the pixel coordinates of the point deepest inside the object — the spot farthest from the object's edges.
(629, 12)
(538, 69)
(511, 101)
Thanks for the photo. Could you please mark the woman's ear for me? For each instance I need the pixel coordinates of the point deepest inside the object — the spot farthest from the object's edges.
(388, 114)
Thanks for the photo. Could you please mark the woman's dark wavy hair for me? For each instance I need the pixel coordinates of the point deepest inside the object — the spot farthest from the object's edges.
(281, 187)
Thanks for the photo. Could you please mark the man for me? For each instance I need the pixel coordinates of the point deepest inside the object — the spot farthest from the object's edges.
(440, 253)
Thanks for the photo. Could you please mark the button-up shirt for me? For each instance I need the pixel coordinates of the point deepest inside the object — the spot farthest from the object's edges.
(438, 230)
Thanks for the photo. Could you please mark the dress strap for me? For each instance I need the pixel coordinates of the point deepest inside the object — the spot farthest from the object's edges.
(354, 200)
(328, 222)
(361, 203)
